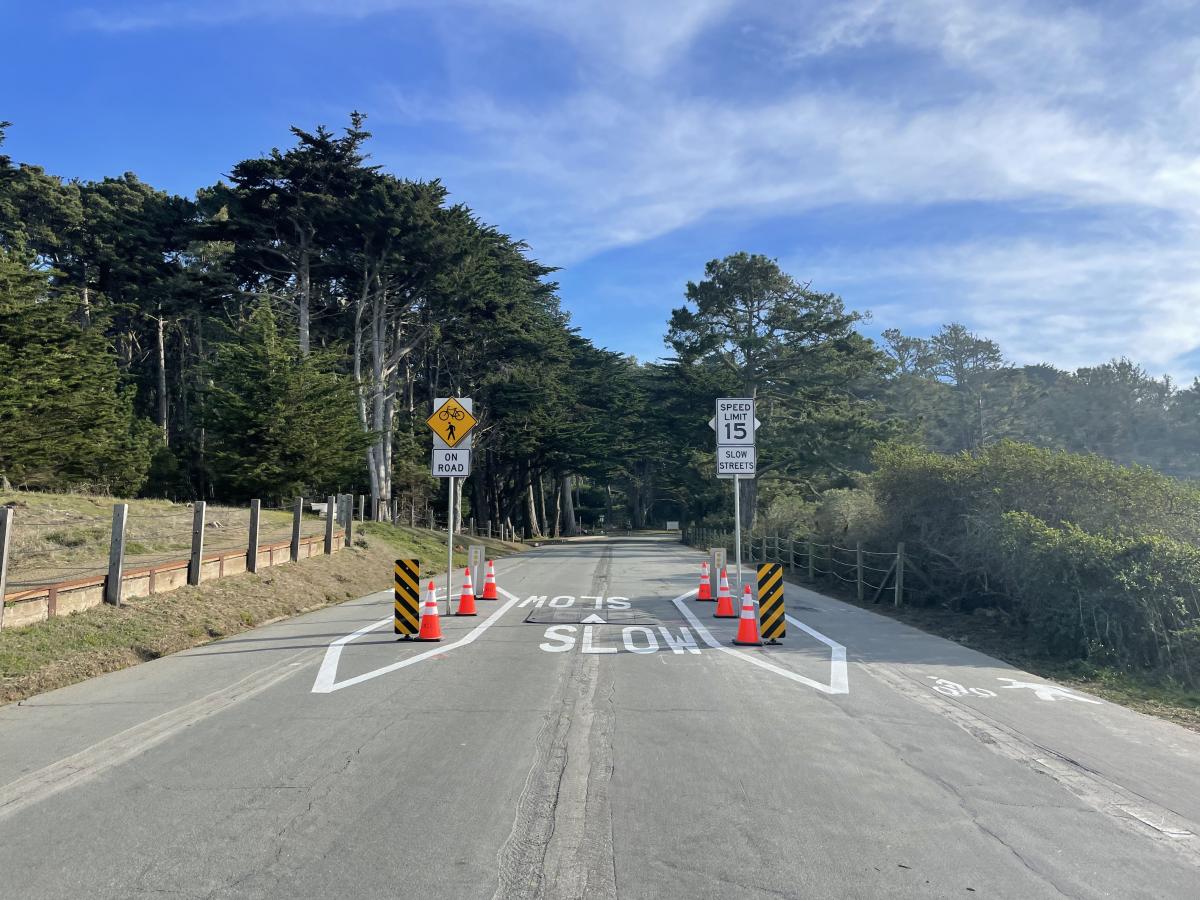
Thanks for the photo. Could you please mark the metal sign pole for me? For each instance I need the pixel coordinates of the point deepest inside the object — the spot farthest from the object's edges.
(737, 529)
(450, 544)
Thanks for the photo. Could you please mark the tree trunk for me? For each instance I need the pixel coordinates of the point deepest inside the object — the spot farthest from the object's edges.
(303, 279)
(162, 376)
(202, 440)
(541, 485)
(363, 390)
(85, 310)
(570, 526)
(380, 402)
(558, 503)
(749, 491)
(531, 509)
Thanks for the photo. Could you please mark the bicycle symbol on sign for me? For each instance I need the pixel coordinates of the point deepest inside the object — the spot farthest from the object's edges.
(447, 414)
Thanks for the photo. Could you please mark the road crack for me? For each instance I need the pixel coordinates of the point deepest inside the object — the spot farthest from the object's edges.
(560, 845)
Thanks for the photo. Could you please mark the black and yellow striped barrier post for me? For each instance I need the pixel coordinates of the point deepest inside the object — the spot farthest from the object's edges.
(772, 623)
(407, 598)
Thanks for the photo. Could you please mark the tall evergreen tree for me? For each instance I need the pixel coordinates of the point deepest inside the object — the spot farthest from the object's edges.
(281, 423)
(65, 419)
(794, 349)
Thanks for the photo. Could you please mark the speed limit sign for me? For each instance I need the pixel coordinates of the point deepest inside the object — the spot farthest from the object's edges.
(734, 422)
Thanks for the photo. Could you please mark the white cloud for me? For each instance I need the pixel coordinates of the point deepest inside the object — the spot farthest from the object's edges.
(1071, 304)
(641, 36)
(1027, 104)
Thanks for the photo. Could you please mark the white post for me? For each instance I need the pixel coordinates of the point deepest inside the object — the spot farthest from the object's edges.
(737, 528)
(449, 543)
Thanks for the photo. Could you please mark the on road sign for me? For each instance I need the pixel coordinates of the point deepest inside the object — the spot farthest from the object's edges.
(452, 421)
(451, 463)
(736, 461)
(734, 422)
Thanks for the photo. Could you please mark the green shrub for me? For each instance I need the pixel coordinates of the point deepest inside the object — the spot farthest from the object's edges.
(1095, 561)
(847, 515)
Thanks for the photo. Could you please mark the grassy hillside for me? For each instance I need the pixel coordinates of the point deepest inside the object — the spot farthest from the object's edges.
(61, 536)
(64, 650)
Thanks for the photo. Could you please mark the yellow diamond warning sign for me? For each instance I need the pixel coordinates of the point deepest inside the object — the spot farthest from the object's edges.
(451, 422)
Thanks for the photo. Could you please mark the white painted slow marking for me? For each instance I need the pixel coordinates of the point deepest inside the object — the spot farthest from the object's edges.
(589, 646)
(632, 646)
(839, 681)
(327, 682)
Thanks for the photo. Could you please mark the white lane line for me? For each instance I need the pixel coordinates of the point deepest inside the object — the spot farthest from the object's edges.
(839, 682)
(327, 683)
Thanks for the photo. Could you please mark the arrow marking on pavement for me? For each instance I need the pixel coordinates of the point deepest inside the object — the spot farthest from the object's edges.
(839, 681)
(327, 682)
(593, 619)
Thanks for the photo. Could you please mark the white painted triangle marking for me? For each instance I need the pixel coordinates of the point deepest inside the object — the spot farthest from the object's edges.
(327, 683)
(839, 682)
(593, 619)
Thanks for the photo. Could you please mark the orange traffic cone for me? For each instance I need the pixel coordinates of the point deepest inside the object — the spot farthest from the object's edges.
(466, 600)
(748, 622)
(705, 584)
(489, 582)
(724, 600)
(431, 625)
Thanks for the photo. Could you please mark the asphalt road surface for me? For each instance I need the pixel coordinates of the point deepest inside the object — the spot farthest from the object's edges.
(533, 754)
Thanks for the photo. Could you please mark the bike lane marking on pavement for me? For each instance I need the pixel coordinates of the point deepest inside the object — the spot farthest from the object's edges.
(839, 681)
(326, 681)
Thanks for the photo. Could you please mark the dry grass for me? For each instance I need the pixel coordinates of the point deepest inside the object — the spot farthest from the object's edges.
(68, 649)
(62, 536)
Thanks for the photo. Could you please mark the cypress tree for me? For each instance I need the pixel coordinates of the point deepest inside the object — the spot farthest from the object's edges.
(65, 419)
(281, 423)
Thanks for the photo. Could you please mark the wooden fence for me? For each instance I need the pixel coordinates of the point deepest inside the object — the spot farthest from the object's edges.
(874, 573)
(25, 603)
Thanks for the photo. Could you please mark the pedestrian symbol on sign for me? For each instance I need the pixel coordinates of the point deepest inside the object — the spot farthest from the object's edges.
(452, 422)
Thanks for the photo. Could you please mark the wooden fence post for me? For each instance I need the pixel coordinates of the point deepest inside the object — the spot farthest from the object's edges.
(362, 507)
(349, 520)
(858, 565)
(330, 504)
(297, 516)
(6, 528)
(116, 555)
(812, 575)
(252, 546)
(899, 573)
(198, 511)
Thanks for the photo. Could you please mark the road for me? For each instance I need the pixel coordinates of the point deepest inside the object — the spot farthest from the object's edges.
(532, 755)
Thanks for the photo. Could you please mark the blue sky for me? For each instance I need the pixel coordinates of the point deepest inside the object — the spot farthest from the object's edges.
(1031, 169)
